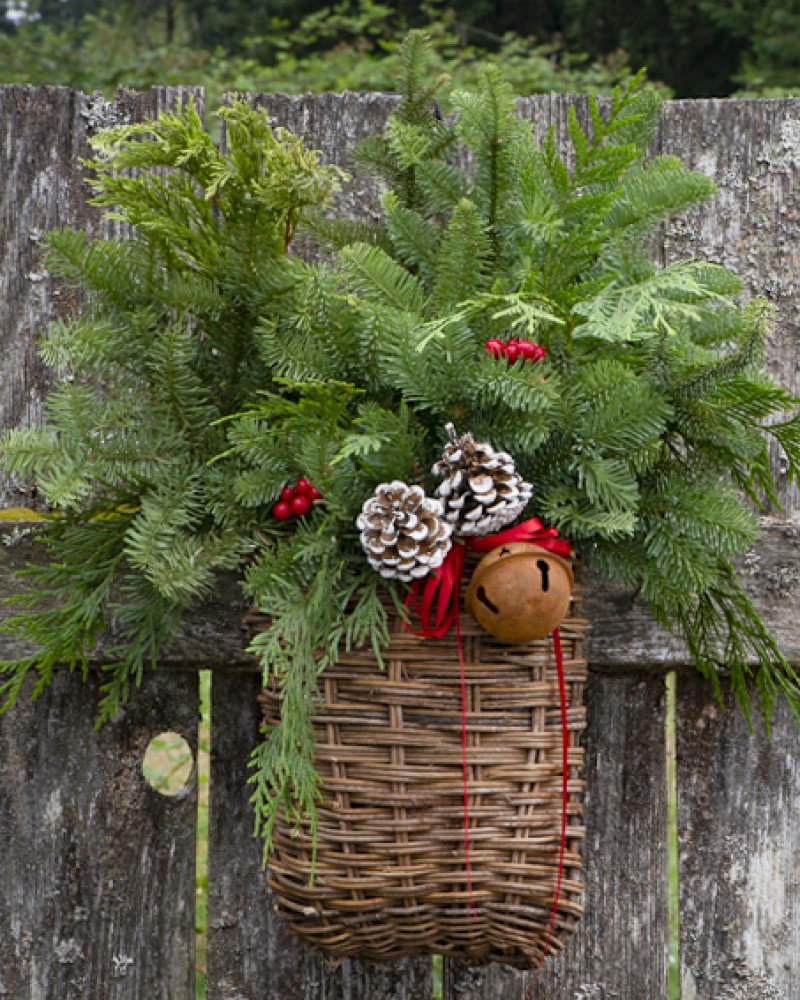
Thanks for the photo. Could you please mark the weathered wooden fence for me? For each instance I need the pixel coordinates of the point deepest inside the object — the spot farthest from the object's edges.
(97, 870)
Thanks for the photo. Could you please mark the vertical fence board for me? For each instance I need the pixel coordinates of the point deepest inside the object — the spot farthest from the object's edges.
(41, 138)
(44, 135)
(97, 893)
(275, 965)
(98, 887)
(752, 151)
(738, 794)
(251, 955)
(738, 822)
(619, 949)
(335, 124)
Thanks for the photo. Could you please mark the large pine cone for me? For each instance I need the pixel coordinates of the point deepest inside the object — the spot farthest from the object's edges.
(482, 492)
(402, 532)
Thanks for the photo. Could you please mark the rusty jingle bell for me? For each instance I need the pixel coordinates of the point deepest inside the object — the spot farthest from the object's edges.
(520, 592)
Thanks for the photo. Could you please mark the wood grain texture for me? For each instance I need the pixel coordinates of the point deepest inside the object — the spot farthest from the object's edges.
(619, 949)
(251, 956)
(41, 140)
(97, 893)
(738, 822)
(98, 888)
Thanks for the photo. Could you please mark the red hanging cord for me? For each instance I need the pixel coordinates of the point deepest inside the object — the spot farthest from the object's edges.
(464, 764)
(562, 697)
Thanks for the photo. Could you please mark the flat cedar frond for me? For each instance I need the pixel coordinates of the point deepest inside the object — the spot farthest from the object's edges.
(624, 312)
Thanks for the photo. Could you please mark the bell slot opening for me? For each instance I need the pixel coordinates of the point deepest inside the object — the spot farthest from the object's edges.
(484, 599)
(544, 569)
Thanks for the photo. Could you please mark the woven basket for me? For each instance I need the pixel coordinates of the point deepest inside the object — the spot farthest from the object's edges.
(390, 876)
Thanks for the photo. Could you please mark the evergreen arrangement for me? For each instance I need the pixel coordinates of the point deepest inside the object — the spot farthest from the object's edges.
(232, 405)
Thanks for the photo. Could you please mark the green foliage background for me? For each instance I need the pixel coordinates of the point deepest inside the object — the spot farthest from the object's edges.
(349, 46)
(695, 48)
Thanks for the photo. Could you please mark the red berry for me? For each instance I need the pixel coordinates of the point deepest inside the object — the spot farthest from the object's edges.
(314, 494)
(494, 347)
(530, 351)
(512, 351)
(302, 486)
(281, 511)
(286, 494)
(301, 505)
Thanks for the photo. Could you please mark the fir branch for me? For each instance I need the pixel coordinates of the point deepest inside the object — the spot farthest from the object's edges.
(724, 632)
(64, 605)
(462, 258)
(607, 483)
(380, 280)
(442, 186)
(413, 238)
(657, 190)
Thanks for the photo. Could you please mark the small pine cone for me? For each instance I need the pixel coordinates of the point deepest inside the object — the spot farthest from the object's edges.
(482, 492)
(402, 532)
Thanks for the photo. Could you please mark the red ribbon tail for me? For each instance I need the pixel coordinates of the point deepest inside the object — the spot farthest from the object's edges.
(435, 599)
(562, 847)
(436, 602)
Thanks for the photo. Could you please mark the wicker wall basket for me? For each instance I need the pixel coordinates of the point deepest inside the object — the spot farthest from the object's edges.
(390, 877)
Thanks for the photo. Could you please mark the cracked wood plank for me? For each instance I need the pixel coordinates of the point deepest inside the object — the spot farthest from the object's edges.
(45, 135)
(99, 870)
(738, 817)
(97, 895)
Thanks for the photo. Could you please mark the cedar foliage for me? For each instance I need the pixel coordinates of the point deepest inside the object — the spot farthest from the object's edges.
(213, 367)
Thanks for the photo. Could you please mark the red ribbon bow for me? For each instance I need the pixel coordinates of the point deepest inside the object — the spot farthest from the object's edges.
(435, 599)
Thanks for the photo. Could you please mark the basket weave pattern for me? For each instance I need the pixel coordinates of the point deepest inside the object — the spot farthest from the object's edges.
(390, 876)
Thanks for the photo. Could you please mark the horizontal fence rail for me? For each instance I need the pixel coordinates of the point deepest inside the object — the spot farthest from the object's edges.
(97, 895)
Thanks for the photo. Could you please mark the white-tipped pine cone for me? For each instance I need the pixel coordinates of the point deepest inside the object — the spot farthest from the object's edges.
(482, 492)
(402, 532)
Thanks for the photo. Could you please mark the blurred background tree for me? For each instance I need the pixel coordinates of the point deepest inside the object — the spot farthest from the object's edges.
(691, 48)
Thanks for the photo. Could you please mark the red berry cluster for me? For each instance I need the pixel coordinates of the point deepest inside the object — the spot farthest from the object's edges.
(295, 501)
(514, 349)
